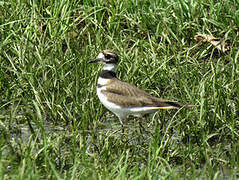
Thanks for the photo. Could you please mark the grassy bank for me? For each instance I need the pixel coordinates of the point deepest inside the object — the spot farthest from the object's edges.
(51, 122)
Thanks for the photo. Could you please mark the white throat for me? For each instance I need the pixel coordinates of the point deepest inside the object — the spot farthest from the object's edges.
(110, 67)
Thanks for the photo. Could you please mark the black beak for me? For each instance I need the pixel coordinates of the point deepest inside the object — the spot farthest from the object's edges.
(94, 60)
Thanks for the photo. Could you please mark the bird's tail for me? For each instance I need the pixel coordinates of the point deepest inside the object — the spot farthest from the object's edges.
(174, 105)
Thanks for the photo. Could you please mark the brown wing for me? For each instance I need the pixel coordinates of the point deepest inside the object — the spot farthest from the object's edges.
(129, 95)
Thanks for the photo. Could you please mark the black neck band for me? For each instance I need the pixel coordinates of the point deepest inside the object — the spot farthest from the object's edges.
(108, 74)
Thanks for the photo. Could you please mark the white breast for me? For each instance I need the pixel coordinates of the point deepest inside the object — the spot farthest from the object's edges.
(117, 110)
(103, 81)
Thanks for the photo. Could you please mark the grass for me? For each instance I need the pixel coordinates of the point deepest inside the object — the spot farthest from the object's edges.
(51, 122)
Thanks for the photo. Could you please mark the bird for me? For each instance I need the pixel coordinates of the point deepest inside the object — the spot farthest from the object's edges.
(122, 98)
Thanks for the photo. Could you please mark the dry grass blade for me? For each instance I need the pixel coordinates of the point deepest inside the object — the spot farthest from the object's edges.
(219, 44)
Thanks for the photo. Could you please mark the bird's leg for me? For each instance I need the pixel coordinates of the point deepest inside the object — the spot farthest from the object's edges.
(124, 123)
(125, 127)
(141, 127)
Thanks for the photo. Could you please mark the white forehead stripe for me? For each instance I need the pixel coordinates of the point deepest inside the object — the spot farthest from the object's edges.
(101, 55)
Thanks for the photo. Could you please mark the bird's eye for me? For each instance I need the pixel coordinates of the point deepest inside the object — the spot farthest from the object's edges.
(108, 56)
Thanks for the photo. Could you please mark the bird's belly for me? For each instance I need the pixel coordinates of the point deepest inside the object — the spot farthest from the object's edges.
(123, 112)
(116, 109)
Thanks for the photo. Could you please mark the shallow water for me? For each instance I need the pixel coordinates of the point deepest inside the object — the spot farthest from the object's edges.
(142, 136)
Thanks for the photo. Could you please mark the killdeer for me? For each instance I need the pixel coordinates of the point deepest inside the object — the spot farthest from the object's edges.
(122, 98)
